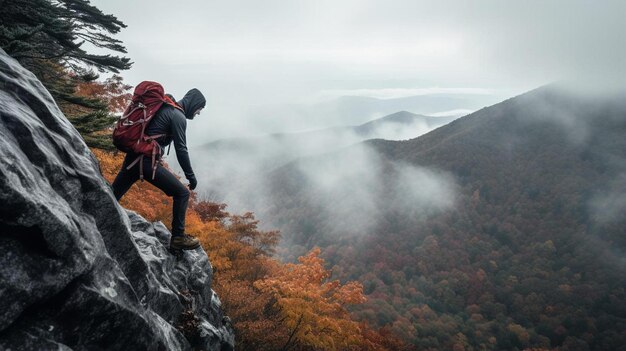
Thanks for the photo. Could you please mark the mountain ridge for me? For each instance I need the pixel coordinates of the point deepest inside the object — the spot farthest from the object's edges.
(533, 179)
(400, 117)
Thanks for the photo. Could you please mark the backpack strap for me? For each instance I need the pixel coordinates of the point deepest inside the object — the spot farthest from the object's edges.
(172, 103)
(139, 159)
(153, 137)
(133, 163)
(143, 122)
(154, 161)
(139, 105)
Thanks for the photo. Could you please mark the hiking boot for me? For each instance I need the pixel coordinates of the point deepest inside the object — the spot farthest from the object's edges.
(184, 242)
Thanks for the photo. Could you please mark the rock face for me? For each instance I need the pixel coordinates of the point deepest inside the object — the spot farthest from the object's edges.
(76, 270)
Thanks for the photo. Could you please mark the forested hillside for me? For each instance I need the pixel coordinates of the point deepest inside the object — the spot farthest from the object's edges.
(528, 253)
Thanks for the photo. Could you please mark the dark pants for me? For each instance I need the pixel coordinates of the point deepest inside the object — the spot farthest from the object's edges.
(163, 179)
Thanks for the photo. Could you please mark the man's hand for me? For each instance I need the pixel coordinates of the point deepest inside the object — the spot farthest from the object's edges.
(192, 182)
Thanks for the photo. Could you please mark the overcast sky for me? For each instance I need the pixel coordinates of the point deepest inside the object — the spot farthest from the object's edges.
(248, 54)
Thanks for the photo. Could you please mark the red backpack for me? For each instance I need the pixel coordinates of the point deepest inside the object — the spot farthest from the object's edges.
(129, 133)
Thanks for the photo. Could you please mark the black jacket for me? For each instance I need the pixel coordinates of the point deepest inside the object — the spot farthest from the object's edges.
(173, 123)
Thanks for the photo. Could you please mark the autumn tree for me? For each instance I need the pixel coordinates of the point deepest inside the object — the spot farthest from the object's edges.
(94, 122)
(210, 211)
(246, 230)
(258, 324)
(313, 306)
(112, 91)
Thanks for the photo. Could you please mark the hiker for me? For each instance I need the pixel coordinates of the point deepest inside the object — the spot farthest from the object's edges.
(168, 124)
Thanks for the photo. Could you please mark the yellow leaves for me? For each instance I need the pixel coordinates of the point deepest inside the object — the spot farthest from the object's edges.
(352, 293)
(218, 244)
(315, 308)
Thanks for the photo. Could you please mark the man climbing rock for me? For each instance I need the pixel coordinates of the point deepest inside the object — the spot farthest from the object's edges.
(171, 123)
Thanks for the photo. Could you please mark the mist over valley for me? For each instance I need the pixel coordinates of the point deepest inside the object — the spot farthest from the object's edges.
(235, 171)
(524, 196)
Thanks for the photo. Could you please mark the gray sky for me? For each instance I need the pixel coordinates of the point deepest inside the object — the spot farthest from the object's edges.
(247, 55)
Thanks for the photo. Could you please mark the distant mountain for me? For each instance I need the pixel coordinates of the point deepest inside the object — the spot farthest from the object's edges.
(399, 123)
(424, 104)
(344, 107)
(228, 168)
(387, 127)
(504, 229)
(356, 110)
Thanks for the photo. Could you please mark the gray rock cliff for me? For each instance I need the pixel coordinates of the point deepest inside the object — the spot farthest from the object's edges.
(77, 271)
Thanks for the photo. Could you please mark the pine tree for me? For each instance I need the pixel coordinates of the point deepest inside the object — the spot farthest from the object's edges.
(34, 30)
(47, 37)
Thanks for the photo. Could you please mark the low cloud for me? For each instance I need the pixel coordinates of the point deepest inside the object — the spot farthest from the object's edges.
(608, 204)
(452, 113)
(356, 188)
(400, 131)
(392, 93)
(423, 188)
(343, 178)
(607, 208)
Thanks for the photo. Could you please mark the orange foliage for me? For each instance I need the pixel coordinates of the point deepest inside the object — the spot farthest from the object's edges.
(112, 90)
(273, 306)
(209, 211)
(237, 265)
(314, 308)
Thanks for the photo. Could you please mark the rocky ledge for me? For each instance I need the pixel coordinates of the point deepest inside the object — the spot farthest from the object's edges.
(77, 271)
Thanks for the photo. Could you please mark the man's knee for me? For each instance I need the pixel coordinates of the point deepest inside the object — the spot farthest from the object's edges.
(182, 193)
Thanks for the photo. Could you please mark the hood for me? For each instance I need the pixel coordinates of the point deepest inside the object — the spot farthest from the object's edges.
(191, 102)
